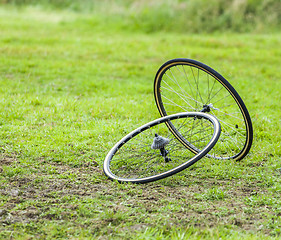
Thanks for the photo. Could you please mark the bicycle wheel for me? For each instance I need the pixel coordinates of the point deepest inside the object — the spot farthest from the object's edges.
(152, 152)
(188, 85)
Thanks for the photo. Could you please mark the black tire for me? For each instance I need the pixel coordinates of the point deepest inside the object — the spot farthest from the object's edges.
(136, 159)
(188, 85)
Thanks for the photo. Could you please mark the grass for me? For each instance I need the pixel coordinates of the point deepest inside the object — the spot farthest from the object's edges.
(71, 88)
(192, 16)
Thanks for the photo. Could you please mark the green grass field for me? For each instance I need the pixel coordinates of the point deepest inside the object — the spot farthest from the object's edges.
(72, 86)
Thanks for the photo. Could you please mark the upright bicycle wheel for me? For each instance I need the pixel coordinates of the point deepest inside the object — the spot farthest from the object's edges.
(188, 85)
(152, 152)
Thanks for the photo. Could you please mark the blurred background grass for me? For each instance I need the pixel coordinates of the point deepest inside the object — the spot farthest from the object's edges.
(184, 16)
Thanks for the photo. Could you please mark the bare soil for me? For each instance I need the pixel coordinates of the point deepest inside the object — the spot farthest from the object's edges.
(29, 198)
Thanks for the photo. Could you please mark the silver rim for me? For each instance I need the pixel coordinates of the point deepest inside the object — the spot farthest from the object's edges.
(133, 160)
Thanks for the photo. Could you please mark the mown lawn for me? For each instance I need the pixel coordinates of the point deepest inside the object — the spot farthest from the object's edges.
(71, 88)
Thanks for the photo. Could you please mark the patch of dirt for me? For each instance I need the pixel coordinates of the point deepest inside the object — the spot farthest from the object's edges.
(29, 198)
(7, 159)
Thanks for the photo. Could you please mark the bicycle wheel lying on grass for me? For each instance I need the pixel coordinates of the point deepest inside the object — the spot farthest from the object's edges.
(152, 152)
(188, 85)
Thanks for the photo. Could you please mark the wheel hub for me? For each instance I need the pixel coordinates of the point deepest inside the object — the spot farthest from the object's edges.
(159, 142)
